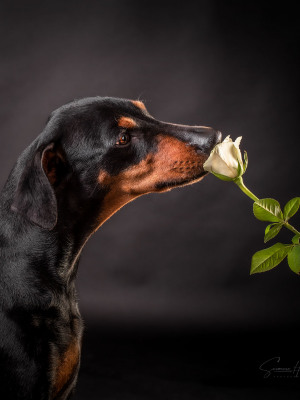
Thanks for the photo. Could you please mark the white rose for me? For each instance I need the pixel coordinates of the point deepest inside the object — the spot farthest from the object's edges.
(225, 160)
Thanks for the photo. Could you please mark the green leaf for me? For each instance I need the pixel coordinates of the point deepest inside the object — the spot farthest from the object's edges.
(269, 227)
(271, 231)
(266, 259)
(295, 239)
(294, 259)
(291, 208)
(245, 161)
(267, 210)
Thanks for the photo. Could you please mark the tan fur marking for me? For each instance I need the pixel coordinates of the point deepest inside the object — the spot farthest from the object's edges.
(139, 104)
(66, 367)
(174, 160)
(126, 122)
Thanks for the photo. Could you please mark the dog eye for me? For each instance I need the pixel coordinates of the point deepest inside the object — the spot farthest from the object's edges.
(123, 139)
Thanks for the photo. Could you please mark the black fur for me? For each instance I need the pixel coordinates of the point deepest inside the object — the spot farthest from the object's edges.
(49, 207)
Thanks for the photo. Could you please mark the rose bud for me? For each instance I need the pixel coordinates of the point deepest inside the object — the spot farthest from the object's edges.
(225, 160)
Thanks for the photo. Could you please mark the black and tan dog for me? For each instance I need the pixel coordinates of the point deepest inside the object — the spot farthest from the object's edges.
(94, 156)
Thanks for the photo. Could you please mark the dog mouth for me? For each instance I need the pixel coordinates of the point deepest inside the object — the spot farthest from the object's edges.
(166, 185)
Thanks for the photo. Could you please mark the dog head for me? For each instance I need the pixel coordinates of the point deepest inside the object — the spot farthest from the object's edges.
(97, 154)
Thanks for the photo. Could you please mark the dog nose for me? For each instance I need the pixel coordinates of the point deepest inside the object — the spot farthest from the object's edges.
(207, 140)
(203, 138)
(218, 137)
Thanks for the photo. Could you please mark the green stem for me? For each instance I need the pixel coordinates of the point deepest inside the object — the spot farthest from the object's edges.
(239, 181)
(291, 228)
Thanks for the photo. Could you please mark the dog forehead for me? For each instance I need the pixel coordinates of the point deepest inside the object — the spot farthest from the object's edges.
(107, 104)
(95, 121)
(97, 110)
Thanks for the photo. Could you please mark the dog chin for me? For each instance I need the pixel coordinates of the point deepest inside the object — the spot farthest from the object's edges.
(164, 186)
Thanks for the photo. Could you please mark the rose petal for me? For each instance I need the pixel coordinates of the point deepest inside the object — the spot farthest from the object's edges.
(216, 164)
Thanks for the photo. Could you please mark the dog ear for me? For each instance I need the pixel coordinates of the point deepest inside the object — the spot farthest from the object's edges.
(35, 197)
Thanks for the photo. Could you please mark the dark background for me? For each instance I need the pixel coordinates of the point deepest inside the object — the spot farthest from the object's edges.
(164, 285)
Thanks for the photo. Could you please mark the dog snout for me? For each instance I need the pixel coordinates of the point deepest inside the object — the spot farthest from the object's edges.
(202, 138)
(206, 139)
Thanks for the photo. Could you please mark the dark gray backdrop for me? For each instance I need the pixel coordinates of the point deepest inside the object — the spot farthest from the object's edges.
(181, 258)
